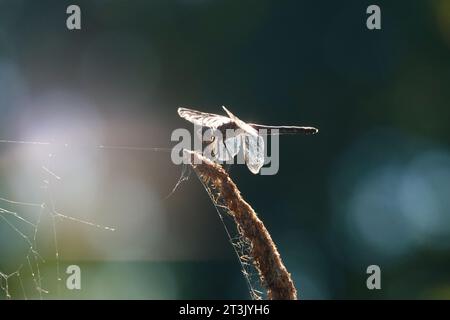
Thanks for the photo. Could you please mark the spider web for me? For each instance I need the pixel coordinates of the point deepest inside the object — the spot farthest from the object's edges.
(26, 227)
(24, 220)
(241, 245)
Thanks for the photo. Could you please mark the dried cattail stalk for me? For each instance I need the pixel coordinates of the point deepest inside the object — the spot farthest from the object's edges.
(272, 272)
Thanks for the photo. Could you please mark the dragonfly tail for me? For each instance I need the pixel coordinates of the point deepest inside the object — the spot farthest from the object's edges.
(275, 130)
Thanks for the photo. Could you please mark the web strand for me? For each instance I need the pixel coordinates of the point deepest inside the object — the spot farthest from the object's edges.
(240, 246)
(12, 217)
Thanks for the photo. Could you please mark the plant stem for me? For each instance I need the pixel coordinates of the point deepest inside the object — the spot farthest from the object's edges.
(267, 260)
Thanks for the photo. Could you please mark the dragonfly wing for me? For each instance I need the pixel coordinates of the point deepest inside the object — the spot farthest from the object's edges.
(203, 119)
(221, 151)
(233, 145)
(254, 152)
(241, 124)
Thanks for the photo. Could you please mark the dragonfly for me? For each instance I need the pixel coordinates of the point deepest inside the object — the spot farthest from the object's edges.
(236, 134)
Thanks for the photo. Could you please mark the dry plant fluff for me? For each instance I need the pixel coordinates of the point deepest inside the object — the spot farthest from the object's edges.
(273, 275)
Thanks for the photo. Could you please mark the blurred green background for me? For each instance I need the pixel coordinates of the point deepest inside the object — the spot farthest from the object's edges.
(371, 188)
